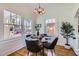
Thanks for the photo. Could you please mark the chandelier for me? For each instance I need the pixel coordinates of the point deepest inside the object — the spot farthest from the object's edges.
(39, 10)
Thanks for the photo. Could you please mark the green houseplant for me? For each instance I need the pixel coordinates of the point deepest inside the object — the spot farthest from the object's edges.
(67, 31)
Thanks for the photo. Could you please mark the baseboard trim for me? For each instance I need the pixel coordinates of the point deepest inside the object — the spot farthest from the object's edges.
(6, 53)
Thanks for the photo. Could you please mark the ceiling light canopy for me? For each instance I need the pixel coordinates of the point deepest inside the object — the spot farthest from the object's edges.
(39, 10)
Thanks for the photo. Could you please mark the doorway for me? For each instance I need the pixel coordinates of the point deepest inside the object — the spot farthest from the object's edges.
(50, 26)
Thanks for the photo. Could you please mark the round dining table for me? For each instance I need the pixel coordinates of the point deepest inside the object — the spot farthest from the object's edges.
(43, 40)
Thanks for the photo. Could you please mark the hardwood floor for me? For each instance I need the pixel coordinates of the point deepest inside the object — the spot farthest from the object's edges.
(59, 51)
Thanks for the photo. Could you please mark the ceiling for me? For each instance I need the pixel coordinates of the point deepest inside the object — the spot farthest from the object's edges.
(26, 9)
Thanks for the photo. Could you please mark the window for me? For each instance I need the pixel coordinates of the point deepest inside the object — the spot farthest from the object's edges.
(12, 24)
(28, 26)
(50, 26)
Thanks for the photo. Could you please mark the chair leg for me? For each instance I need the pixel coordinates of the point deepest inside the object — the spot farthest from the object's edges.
(36, 53)
(52, 52)
(28, 53)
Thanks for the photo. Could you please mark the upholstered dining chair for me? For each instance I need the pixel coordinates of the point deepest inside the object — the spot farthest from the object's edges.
(33, 46)
(52, 45)
(28, 35)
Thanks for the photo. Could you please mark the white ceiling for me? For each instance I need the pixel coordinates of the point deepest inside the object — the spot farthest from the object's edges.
(27, 8)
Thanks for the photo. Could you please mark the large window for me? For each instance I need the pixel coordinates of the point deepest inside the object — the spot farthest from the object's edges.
(12, 24)
(50, 26)
(28, 26)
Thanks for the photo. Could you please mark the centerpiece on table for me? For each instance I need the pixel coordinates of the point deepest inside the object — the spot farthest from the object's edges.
(37, 27)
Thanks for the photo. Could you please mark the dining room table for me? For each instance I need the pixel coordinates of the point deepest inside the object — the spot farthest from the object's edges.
(43, 40)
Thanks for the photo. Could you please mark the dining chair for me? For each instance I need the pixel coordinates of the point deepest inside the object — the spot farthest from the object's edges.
(33, 46)
(52, 45)
(28, 35)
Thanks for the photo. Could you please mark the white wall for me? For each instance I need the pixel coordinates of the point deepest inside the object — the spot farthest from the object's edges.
(40, 20)
(76, 46)
(1, 24)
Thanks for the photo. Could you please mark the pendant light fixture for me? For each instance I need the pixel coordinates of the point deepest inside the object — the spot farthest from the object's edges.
(39, 10)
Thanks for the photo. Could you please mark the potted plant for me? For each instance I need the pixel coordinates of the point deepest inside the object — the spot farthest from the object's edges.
(67, 31)
(37, 27)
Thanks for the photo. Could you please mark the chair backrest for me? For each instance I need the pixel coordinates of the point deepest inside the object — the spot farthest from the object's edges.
(28, 35)
(32, 45)
(53, 44)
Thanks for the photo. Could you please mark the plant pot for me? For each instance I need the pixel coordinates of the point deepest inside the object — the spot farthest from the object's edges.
(67, 46)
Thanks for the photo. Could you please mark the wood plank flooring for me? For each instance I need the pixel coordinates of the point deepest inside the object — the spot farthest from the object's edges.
(59, 51)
